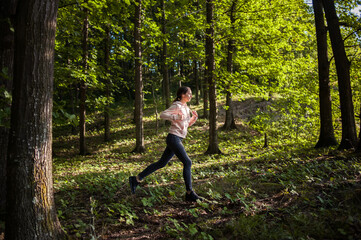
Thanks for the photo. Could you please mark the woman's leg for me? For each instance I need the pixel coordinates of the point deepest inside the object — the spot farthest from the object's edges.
(166, 157)
(175, 144)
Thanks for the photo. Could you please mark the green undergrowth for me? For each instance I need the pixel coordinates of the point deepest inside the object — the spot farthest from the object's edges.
(288, 190)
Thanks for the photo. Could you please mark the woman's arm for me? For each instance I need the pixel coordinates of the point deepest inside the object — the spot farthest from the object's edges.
(193, 118)
(171, 114)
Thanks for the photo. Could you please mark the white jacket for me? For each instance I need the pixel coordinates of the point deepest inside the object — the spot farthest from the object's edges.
(179, 126)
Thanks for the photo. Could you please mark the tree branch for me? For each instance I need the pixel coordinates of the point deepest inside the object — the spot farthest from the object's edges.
(359, 29)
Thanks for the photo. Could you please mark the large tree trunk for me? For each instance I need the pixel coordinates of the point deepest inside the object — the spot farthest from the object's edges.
(164, 60)
(82, 89)
(107, 85)
(327, 137)
(7, 9)
(30, 202)
(139, 148)
(213, 138)
(349, 136)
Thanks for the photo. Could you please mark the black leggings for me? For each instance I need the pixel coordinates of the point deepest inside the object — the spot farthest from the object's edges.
(174, 147)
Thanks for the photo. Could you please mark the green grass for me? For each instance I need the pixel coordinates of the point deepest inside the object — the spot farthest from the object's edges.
(286, 191)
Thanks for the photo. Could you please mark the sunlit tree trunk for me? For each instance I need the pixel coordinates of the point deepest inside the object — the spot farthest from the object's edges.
(138, 112)
(82, 88)
(107, 85)
(349, 136)
(30, 201)
(327, 137)
(213, 138)
(7, 9)
(164, 60)
(358, 149)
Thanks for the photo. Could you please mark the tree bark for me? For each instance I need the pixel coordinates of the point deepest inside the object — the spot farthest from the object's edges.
(196, 80)
(358, 149)
(82, 89)
(164, 60)
(229, 123)
(30, 201)
(7, 10)
(205, 98)
(107, 85)
(139, 148)
(349, 136)
(327, 136)
(213, 138)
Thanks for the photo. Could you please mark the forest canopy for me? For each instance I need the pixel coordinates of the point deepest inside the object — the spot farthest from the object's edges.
(275, 54)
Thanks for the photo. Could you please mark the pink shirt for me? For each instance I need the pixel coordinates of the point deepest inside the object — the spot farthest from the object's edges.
(179, 126)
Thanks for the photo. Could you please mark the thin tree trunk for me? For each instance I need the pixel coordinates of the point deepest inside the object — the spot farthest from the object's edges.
(205, 97)
(82, 107)
(358, 149)
(107, 85)
(197, 64)
(138, 113)
(349, 136)
(213, 138)
(196, 80)
(155, 101)
(180, 74)
(229, 123)
(73, 92)
(30, 200)
(7, 9)
(164, 60)
(327, 136)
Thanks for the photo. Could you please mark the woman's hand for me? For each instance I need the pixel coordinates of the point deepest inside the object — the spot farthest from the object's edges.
(195, 115)
(194, 118)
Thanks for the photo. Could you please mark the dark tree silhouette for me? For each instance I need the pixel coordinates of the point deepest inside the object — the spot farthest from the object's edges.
(138, 112)
(229, 123)
(327, 136)
(213, 138)
(82, 89)
(349, 136)
(164, 60)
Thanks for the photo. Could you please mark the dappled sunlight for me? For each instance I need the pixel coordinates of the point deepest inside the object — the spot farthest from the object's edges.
(246, 186)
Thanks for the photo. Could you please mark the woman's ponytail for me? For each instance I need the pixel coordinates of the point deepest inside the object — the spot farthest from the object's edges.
(182, 90)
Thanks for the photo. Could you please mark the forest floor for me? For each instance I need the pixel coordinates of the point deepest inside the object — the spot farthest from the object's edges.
(288, 190)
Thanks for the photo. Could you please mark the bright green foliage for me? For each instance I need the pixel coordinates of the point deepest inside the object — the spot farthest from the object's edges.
(275, 50)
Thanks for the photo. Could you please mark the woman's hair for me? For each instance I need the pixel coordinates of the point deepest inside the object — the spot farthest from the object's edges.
(180, 91)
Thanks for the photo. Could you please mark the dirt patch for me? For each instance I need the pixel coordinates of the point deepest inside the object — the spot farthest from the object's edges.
(246, 109)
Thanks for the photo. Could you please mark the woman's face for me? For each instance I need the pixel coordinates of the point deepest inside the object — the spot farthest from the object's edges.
(187, 96)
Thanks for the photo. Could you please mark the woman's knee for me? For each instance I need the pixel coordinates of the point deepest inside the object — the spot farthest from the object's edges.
(187, 163)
